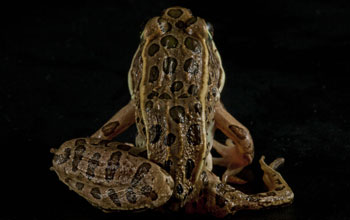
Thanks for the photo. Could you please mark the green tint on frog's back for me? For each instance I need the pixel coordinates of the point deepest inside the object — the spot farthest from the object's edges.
(175, 94)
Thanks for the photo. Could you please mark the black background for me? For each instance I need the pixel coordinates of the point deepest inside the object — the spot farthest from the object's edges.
(64, 73)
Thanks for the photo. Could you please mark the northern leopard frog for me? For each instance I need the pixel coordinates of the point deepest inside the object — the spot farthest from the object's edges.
(175, 82)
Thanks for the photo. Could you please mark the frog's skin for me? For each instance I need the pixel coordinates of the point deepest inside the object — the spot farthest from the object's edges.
(175, 81)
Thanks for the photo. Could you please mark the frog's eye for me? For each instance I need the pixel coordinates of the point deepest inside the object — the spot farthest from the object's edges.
(210, 29)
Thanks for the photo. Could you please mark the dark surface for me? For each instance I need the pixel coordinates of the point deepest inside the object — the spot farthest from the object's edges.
(64, 73)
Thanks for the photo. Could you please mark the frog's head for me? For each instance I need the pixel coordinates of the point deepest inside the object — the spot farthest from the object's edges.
(177, 20)
(174, 24)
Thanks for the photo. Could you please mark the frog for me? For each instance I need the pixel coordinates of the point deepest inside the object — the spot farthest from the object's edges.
(175, 80)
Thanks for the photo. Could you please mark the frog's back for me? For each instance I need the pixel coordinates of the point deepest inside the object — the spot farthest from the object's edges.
(171, 92)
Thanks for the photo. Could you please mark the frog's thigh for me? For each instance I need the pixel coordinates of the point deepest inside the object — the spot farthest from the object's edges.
(118, 123)
(109, 176)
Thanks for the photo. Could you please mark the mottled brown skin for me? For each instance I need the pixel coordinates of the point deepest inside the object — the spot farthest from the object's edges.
(181, 60)
(175, 81)
(110, 176)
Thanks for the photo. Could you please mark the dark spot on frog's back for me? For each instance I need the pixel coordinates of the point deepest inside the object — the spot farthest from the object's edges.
(197, 108)
(177, 113)
(189, 168)
(155, 133)
(167, 165)
(131, 195)
(153, 49)
(169, 41)
(109, 128)
(175, 13)
(194, 134)
(169, 65)
(92, 164)
(176, 86)
(179, 189)
(191, 21)
(148, 192)
(153, 74)
(78, 155)
(62, 158)
(164, 25)
(96, 193)
(113, 164)
(169, 139)
(193, 44)
(192, 90)
(180, 24)
(79, 185)
(152, 95)
(191, 66)
(114, 197)
(165, 96)
(142, 170)
(148, 106)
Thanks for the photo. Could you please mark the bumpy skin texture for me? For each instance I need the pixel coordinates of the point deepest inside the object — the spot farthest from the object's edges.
(175, 82)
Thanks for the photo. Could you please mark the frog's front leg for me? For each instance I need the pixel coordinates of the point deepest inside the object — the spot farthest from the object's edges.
(239, 149)
(111, 175)
(221, 199)
(123, 119)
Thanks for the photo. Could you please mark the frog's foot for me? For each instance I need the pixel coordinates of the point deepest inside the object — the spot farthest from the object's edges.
(279, 193)
(221, 199)
(233, 159)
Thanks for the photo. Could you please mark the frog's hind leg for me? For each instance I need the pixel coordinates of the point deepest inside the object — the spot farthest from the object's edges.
(221, 199)
(112, 175)
(279, 193)
(239, 149)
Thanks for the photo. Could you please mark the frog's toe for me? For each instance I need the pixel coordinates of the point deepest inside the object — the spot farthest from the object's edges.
(232, 159)
(272, 178)
(230, 176)
(276, 163)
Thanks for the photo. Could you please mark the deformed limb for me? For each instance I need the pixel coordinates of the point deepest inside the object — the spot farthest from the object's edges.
(279, 193)
(229, 159)
(221, 199)
(239, 149)
(123, 119)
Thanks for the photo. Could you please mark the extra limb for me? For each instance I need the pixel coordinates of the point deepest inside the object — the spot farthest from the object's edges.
(239, 149)
(123, 119)
(221, 199)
